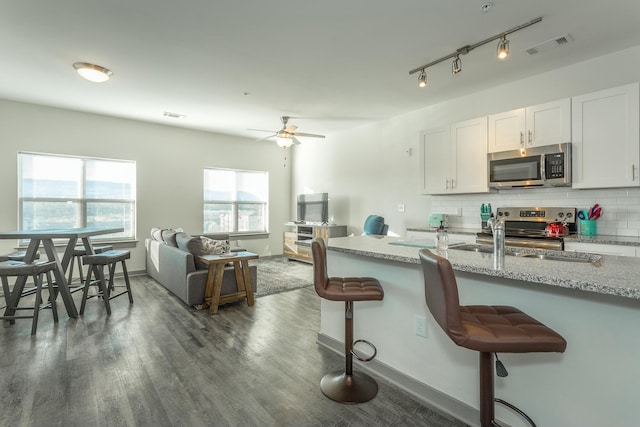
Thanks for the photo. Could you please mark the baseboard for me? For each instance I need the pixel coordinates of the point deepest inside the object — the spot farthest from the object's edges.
(429, 396)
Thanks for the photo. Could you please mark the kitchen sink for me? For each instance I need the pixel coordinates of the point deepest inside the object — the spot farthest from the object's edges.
(537, 254)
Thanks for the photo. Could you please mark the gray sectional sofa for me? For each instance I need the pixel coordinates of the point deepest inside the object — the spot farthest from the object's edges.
(176, 269)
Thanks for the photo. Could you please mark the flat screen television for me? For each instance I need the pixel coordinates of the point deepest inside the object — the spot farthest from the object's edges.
(313, 208)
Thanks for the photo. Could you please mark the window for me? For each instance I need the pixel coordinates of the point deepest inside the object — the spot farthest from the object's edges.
(235, 201)
(68, 192)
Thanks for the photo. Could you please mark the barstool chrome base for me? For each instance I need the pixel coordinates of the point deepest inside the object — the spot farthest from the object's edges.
(355, 388)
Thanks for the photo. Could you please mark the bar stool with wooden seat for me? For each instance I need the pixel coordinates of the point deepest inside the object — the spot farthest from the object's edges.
(78, 252)
(99, 261)
(12, 295)
(346, 386)
(483, 328)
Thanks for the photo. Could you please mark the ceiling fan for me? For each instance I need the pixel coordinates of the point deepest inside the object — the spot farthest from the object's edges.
(286, 136)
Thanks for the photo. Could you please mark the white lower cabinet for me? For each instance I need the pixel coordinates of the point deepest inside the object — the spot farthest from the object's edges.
(602, 249)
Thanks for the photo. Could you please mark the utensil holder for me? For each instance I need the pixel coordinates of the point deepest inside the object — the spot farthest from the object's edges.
(588, 227)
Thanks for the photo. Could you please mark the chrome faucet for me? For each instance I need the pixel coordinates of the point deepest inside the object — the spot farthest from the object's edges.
(497, 229)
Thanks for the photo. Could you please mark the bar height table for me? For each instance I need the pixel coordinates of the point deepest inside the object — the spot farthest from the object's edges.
(46, 237)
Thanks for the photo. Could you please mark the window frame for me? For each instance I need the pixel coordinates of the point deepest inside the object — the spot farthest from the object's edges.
(235, 203)
(82, 201)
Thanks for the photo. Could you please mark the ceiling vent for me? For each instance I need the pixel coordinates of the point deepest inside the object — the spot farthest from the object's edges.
(549, 44)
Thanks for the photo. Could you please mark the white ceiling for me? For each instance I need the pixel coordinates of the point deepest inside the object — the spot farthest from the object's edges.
(229, 65)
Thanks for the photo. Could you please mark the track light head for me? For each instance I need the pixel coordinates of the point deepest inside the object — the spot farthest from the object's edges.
(503, 48)
(422, 78)
(456, 66)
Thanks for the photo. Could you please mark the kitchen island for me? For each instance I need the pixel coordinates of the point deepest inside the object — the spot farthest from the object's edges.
(597, 309)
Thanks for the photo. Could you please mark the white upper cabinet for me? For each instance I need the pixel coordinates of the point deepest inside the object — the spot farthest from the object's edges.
(606, 141)
(435, 154)
(544, 124)
(454, 158)
(469, 156)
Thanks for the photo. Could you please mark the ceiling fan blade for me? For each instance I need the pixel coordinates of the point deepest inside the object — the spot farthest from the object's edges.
(262, 130)
(295, 140)
(290, 129)
(310, 135)
(266, 137)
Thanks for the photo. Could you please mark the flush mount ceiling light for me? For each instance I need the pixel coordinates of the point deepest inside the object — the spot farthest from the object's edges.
(503, 48)
(422, 79)
(503, 51)
(93, 73)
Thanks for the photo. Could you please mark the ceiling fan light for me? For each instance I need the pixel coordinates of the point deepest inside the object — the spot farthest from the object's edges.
(422, 79)
(284, 141)
(503, 48)
(93, 73)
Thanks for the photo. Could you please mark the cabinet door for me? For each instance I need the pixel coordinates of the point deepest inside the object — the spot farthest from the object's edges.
(606, 141)
(434, 159)
(506, 130)
(549, 123)
(469, 156)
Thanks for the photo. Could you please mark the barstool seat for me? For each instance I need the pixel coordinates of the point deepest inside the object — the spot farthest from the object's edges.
(78, 252)
(12, 296)
(97, 262)
(483, 328)
(346, 386)
(19, 256)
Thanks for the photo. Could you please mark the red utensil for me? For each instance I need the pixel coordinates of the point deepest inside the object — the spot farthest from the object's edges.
(593, 210)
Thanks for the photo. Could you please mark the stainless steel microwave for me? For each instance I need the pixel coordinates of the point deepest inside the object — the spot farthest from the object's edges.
(546, 166)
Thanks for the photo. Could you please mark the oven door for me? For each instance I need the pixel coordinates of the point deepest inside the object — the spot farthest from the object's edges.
(509, 169)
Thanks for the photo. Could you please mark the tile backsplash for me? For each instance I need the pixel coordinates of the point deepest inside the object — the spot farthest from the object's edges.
(620, 206)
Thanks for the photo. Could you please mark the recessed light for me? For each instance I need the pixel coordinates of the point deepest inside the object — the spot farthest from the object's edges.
(93, 73)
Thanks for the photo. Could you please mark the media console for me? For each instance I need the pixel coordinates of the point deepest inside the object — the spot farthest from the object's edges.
(307, 232)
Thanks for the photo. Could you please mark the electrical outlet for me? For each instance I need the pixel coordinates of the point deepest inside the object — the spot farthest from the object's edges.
(401, 207)
(420, 326)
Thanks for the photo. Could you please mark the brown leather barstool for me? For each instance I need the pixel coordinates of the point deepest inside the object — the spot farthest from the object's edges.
(487, 329)
(346, 386)
(96, 265)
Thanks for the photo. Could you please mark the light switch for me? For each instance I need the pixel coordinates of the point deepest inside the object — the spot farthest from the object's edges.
(401, 207)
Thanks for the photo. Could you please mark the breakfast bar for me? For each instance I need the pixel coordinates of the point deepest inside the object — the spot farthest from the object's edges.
(594, 305)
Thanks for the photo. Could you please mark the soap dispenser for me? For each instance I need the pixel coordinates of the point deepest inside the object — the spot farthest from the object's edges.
(442, 238)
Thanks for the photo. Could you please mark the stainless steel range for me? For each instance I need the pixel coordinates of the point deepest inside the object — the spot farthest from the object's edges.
(526, 227)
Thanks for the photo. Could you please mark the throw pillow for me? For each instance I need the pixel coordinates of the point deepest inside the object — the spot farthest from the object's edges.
(214, 246)
(169, 236)
(156, 234)
(190, 244)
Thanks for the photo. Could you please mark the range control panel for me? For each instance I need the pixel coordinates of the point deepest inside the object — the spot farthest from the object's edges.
(537, 214)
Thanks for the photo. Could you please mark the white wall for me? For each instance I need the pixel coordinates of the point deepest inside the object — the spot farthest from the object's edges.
(365, 170)
(170, 161)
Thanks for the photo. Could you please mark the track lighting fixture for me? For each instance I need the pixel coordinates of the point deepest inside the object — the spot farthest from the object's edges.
(503, 48)
(422, 79)
(93, 73)
(456, 66)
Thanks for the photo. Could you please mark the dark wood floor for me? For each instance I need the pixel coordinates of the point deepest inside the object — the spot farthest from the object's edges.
(158, 362)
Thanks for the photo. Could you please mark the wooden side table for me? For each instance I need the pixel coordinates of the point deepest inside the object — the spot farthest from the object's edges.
(216, 263)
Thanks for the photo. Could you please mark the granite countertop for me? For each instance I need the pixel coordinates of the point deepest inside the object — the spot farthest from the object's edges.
(450, 230)
(619, 276)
